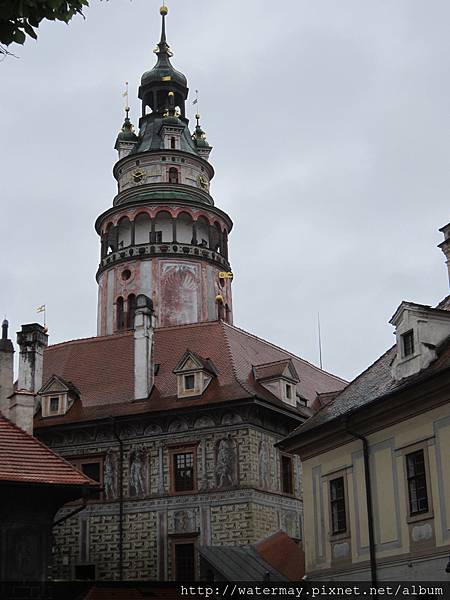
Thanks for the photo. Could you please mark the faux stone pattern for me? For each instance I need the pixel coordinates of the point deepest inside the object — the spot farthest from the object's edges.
(233, 515)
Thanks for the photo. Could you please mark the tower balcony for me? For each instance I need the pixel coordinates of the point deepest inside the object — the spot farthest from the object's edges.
(166, 249)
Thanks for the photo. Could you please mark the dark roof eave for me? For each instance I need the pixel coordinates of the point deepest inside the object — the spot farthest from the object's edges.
(340, 422)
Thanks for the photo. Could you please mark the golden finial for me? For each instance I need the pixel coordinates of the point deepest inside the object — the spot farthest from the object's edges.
(163, 10)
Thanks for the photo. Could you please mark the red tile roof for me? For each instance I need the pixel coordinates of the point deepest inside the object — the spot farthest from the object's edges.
(272, 370)
(103, 370)
(286, 556)
(24, 459)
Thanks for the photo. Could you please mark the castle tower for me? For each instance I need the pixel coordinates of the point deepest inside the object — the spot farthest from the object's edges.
(163, 236)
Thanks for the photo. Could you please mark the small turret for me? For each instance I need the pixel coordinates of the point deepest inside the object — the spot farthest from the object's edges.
(200, 141)
(127, 139)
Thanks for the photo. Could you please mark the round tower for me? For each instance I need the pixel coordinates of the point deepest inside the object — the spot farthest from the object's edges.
(163, 236)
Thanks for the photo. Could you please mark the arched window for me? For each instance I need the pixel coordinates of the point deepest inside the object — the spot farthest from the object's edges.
(173, 175)
(120, 314)
(131, 301)
(184, 228)
(173, 143)
(124, 236)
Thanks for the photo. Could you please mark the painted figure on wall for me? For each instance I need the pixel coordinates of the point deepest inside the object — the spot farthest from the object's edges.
(110, 475)
(138, 474)
(226, 463)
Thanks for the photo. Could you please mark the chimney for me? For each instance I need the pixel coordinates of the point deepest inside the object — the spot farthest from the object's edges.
(143, 348)
(445, 246)
(6, 370)
(32, 340)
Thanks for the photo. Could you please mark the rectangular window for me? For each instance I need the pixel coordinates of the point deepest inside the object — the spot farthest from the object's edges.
(54, 404)
(185, 562)
(408, 343)
(288, 391)
(158, 237)
(92, 468)
(93, 471)
(189, 382)
(286, 475)
(183, 471)
(417, 482)
(337, 504)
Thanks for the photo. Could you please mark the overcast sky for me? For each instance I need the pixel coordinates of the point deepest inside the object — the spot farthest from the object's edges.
(330, 127)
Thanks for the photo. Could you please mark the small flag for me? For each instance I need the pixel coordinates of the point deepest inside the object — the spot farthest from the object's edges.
(125, 93)
(195, 101)
(41, 308)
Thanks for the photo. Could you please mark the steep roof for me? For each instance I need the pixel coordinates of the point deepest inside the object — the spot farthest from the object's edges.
(23, 459)
(103, 370)
(373, 384)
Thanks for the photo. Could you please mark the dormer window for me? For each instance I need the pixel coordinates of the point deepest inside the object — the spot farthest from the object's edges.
(57, 397)
(419, 330)
(408, 343)
(280, 378)
(194, 374)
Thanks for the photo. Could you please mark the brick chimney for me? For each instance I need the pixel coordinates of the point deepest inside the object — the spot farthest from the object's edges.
(143, 348)
(6, 370)
(32, 340)
(445, 246)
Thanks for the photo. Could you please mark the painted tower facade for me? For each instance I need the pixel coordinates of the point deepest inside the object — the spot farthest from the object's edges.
(163, 236)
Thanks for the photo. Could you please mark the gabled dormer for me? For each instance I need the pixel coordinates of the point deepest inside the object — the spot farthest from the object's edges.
(57, 396)
(194, 374)
(280, 378)
(419, 330)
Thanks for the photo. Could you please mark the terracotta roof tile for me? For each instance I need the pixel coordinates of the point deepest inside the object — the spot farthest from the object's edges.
(24, 459)
(103, 370)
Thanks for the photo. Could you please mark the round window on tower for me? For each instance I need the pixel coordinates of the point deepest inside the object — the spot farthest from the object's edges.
(126, 274)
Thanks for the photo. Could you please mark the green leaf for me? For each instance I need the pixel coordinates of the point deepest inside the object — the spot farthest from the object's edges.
(19, 36)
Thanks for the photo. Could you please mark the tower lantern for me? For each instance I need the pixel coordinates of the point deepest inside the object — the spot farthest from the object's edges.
(163, 237)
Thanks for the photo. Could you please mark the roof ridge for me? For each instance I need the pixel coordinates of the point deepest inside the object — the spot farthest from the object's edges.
(239, 329)
(344, 390)
(96, 338)
(34, 439)
(187, 325)
(233, 366)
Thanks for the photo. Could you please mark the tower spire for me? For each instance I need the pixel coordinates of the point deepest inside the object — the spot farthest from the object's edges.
(163, 48)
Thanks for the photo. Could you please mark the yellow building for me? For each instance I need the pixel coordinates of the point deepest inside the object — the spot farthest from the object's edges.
(376, 461)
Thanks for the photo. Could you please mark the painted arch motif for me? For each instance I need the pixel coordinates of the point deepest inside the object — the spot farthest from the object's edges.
(180, 289)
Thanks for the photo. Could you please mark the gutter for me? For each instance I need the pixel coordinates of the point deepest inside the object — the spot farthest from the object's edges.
(116, 435)
(369, 502)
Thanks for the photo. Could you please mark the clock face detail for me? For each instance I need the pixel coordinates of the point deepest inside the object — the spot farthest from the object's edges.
(202, 182)
(138, 175)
